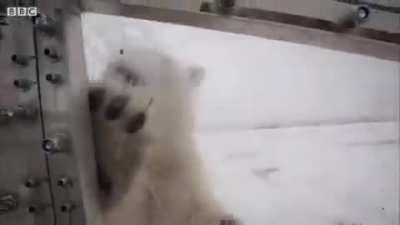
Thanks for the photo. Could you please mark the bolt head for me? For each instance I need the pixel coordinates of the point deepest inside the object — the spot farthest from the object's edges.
(30, 183)
(363, 13)
(49, 145)
(226, 3)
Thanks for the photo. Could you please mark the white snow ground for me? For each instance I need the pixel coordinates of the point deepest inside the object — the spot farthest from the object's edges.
(291, 134)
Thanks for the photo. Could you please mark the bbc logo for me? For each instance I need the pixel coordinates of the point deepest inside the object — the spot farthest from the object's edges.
(22, 11)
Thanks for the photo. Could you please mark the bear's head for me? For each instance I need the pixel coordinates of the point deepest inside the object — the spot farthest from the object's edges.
(159, 85)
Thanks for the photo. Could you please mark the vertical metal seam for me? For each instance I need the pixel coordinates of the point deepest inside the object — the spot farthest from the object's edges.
(50, 183)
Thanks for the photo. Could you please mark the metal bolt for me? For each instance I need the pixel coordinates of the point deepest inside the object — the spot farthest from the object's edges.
(6, 115)
(205, 7)
(22, 60)
(54, 78)
(52, 54)
(67, 207)
(23, 84)
(55, 144)
(32, 183)
(225, 3)
(8, 203)
(64, 182)
(46, 25)
(363, 13)
(224, 7)
(37, 208)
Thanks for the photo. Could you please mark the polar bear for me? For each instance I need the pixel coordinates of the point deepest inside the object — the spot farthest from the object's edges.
(150, 172)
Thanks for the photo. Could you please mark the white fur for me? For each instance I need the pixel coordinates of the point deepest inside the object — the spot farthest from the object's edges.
(157, 173)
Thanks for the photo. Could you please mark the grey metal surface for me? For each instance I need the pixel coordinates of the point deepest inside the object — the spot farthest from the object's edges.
(21, 156)
(329, 10)
(43, 96)
(347, 26)
(355, 42)
(66, 115)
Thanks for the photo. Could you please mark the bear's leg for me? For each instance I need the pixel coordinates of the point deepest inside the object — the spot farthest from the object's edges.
(119, 147)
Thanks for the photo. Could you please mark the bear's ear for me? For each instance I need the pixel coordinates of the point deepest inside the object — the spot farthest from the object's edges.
(197, 74)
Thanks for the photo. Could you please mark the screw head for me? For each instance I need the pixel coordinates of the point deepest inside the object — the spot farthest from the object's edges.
(67, 207)
(6, 114)
(23, 84)
(14, 58)
(32, 209)
(226, 3)
(363, 13)
(47, 51)
(45, 24)
(52, 54)
(56, 143)
(49, 145)
(31, 183)
(64, 182)
(37, 208)
(53, 78)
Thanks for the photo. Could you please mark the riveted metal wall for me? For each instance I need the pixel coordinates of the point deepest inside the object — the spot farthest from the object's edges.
(25, 197)
(47, 168)
(330, 10)
(66, 120)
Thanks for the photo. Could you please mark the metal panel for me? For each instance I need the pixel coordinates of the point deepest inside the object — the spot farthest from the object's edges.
(43, 68)
(23, 169)
(357, 42)
(66, 115)
(329, 10)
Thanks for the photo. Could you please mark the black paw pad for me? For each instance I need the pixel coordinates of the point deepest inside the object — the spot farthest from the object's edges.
(115, 107)
(96, 96)
(135, 123)
(105, 184)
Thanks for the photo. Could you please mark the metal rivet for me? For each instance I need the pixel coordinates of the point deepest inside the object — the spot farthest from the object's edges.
(363, 13)
(67, 207)
(46, 25)
(54, 78)
(225, 3)
(55, 144)
(37, 208)
(205, 7)
(22, 60)
(6, 115)
(64, 182)
(23, 84)
(52, 54)
(32, 183)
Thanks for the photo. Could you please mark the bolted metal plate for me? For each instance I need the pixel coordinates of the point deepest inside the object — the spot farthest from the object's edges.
(66, 120)
(21, 156)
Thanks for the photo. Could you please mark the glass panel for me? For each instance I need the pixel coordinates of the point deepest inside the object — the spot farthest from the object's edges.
(290, 133)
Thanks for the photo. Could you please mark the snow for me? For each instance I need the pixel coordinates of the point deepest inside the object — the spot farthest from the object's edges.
(346, 174)
(291, 134)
